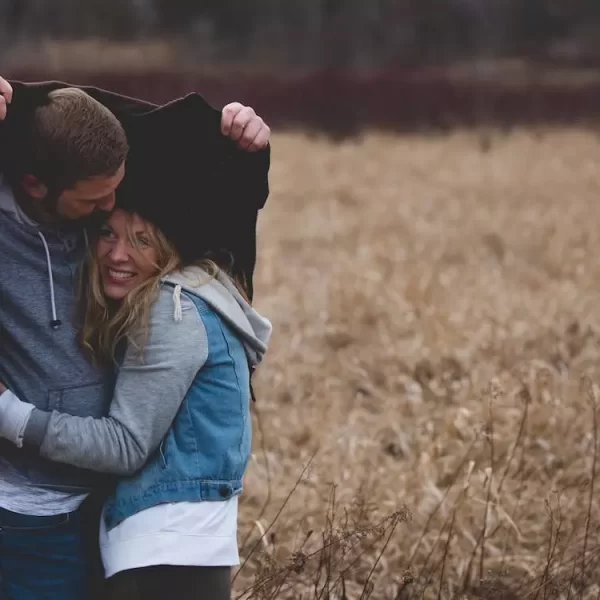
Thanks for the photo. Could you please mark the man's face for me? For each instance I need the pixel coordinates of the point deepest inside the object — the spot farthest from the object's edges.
(89, 196)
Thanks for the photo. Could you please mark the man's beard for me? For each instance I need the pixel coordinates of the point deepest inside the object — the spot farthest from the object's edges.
(50, 203)
(92, 222)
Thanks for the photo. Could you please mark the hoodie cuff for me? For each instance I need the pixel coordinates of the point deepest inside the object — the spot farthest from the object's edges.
(35, 432)
(14, 415)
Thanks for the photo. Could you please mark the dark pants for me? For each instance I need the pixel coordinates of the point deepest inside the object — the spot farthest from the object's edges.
(182, 583)
(42, 558)
(52, 557)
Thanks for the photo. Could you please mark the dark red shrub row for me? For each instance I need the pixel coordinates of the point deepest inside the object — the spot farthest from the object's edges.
(342, 104)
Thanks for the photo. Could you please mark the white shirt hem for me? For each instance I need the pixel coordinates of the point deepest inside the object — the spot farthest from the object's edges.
(186, 550)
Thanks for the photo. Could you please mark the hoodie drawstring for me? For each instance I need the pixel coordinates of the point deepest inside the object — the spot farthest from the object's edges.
(178, 314)
(56, 322)
(252, 371)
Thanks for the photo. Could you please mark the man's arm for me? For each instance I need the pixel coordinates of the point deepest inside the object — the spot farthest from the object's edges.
(147, 397)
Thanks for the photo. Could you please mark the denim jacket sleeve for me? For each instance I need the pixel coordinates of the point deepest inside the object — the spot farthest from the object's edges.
(149, 390)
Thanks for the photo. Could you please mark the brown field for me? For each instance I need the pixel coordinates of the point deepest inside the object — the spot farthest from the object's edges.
(437, 323)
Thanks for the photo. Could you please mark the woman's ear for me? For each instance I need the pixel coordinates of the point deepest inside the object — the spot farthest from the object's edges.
(34, 187)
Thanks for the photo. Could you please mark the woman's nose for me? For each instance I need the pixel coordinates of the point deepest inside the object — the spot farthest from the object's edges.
(119, 252)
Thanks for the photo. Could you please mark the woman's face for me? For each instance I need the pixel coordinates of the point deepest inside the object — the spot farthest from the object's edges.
(124, 262)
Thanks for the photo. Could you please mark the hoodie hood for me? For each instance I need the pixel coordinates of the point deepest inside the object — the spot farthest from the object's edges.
(9, 206)
(223, 297)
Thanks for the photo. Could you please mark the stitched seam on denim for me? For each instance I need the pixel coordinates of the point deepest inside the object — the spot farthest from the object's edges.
(186, 402)
(239, 387)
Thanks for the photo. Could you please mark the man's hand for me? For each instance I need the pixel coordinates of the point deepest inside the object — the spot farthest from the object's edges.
(5, 97)
(3, 388)
(243, 125)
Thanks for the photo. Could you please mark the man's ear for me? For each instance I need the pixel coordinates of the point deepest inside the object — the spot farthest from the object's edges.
(34, 187)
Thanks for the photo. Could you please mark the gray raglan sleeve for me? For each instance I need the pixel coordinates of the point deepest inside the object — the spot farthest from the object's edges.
(146, 399)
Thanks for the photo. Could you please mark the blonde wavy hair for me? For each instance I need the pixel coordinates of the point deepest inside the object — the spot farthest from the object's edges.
(107, 323)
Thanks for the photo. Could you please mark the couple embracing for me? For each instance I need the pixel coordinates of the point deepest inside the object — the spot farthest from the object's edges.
(127, 340)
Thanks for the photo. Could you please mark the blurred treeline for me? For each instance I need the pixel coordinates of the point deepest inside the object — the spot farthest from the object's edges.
(362, 34)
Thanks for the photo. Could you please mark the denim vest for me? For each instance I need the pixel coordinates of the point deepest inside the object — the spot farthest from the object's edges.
(206, 451)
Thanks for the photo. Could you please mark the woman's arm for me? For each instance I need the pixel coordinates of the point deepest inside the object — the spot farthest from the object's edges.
(146, 399)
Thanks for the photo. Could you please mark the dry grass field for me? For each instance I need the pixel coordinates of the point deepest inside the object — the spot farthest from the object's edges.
(426, 424)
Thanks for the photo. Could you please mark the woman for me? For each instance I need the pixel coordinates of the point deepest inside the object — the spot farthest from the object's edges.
(185, 341)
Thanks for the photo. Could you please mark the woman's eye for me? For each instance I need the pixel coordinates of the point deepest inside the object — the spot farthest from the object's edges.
(142, 240)
(106, 233)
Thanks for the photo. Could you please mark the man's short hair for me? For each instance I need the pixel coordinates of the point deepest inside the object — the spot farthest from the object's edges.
(73, 138)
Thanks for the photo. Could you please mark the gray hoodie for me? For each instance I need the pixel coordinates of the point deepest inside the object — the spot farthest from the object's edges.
(151, 384)
(39, 361)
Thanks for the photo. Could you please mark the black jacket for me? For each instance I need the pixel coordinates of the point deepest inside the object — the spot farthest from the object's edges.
(182, 174)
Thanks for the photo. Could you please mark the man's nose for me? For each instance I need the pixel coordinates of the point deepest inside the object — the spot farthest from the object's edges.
(107, 203)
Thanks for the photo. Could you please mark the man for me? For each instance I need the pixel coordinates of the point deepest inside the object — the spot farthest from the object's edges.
(65, 158)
